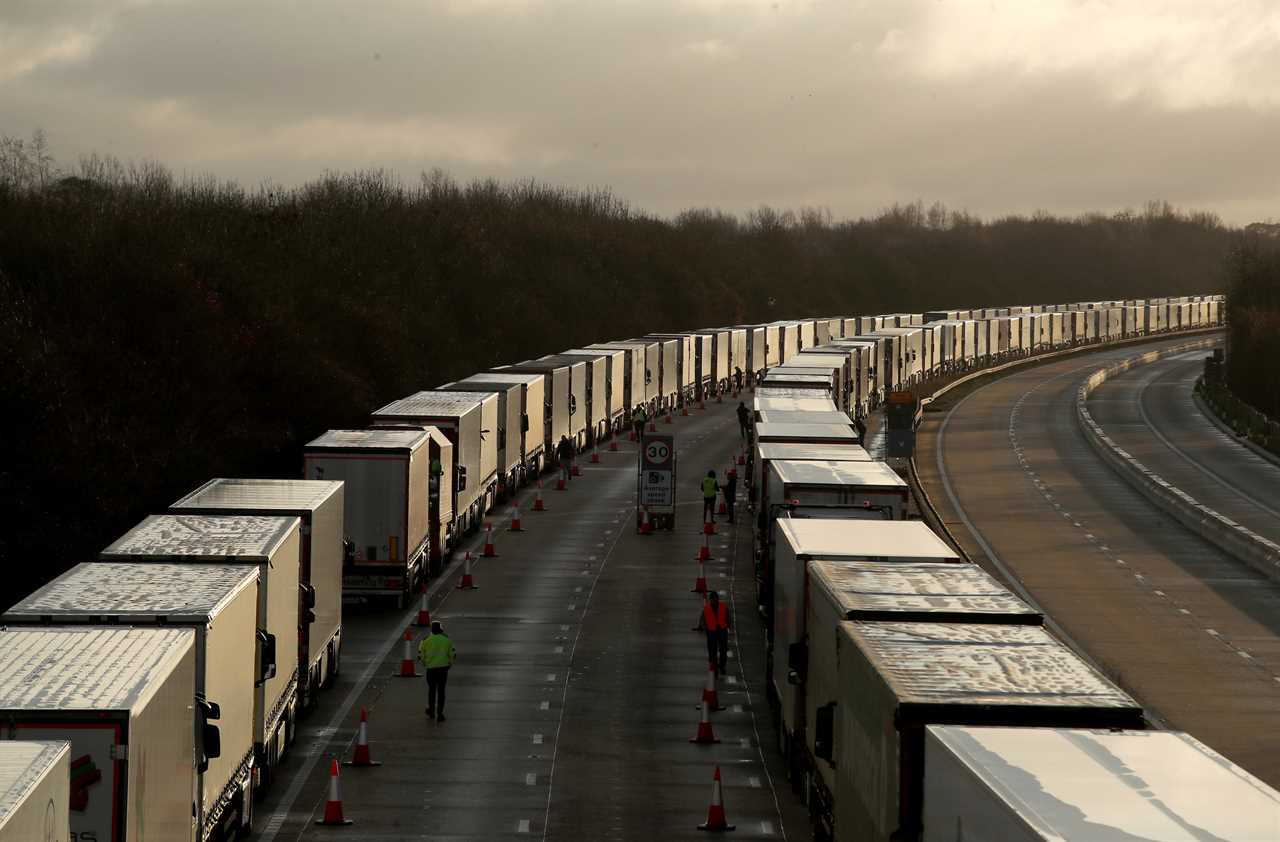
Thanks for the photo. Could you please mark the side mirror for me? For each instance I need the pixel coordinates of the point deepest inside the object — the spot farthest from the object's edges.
(824, 728)
(798, 661)
(308, 614)
(266, 657)
(524, 423)
(210, 736)
(462, 478)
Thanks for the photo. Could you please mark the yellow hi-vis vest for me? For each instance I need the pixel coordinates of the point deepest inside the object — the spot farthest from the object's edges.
(708, 487)
(436, 650)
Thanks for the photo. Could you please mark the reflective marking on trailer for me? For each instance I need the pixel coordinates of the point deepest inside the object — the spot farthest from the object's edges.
(1212, 632)
(523, 826)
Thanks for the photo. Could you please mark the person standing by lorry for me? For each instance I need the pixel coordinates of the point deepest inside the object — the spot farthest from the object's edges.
(638, 419)
(564, 455)
(437, 654)
(709, 489)
(714, 620)
(730, 489)
(737, 378)
(744, 420)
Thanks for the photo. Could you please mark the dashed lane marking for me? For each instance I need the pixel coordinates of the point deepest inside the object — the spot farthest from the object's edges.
(523, 826)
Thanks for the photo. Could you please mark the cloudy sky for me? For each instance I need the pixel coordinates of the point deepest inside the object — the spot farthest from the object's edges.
(996, 106)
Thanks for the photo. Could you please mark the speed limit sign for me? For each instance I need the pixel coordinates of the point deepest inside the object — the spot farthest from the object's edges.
(656, 476)
(657, 452)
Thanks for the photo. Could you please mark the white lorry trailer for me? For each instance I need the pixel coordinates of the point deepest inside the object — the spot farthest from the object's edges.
(509, 433)
(320, 505)
(534, 429)
(273, 546)
(126, 701)
(1081, 785)
(34, 791)
(219, 603)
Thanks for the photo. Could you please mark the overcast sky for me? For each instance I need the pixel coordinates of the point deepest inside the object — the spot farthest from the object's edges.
(995, 106)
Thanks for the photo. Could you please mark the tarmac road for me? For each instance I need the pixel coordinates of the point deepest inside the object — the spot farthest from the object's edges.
(1192, 633)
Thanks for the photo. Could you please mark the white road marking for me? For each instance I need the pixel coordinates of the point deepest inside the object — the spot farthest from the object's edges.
(564, 627)
(573, 605)
(523, 827)
(754, 782)
(766, 828)
(530, 779)
(1212, 632)
(745, 742)
(537, 739)
(731, 679)
(736, 709)
(559, 650)
(544, 705)
(551, 676)
(1244, 654)
(1184, 611)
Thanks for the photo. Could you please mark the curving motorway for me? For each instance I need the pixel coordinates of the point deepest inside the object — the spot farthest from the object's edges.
(1191, 632)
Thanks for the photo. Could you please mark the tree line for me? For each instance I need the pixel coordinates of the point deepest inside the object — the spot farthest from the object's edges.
(159, 331)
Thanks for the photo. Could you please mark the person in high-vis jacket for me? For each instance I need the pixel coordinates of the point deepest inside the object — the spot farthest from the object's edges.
(715, 622)
(709, 489)
(437, 654)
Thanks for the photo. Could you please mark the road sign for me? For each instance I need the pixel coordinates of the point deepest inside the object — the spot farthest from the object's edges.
(656, 475)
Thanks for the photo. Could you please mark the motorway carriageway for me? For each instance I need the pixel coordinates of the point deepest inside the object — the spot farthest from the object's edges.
(575, 694)
(1191, 632)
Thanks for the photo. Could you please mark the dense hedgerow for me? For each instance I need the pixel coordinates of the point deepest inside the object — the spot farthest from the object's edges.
(155, 332)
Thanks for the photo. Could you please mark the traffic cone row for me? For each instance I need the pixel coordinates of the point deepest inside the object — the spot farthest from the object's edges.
(489, 551)
(574, 470)
(467, 583)
(424, 615)
(408, 664)
(653, 427)
(705, 733)
(708, 525)
(646, 528)
(717, 821)
(595, 457)
(515, 519)
(684, 412)
(361, 756)
(742, 458)
(560, 484)
(700, 584)
(631, 436)
(709, 694)
(724, 506)
(333, 806)
(704, 552)
(538, 505)
(613, 442)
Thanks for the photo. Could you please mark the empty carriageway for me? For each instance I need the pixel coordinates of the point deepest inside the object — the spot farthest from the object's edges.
(1192, 632)
(575, 694)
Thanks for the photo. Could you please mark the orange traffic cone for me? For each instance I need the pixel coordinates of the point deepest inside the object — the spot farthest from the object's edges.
(716, 819)
(653, 426)
(333, 807)
(631, 436)
(467, 583)
(646, 528)
(705, 734)
(704, 552)
(724, 507)
(488, 551)
(595, 456)
(538, 505)
(709, 694)
(613, 443)
(361, 756)
(407, 662)
(575, 471)
(708, 525)
(424, 615)
(560, 484)
(700, 584)
(684, 412)
(742, 458)
(515, 519)
(670, 419)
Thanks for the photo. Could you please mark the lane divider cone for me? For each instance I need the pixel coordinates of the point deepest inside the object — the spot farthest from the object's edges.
(538, 505)
(408, 665)
(515, 519)
(709, 694)
(631, 436)
(333, 806)
(700, 584)
(361, 756)
(717, 821)
(488, 551)
(671, 420)
(613, 442)
(646, 528)
(704, 552)
(467, 583)
(702, 404)
(574, 470)
(653, 426)
(742, 459)
(424, 615)
(595, 456)
(724, 507)
(705, 733)
(560, 484)
(708, 525)
(684, 412)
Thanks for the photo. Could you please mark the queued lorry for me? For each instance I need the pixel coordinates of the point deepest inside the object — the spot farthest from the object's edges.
(640, 373)
(397, 516)
(320, 505)
(563, 418)
(219, 603)
(470, 421)
(126, 701)
(1085, 785)
(272, 546)
(617, 412)
(588, 407)
(512, 426)
(35, 790)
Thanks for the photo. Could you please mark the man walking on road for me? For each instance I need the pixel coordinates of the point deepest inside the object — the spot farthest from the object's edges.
(744, 420)
(737, 378)
(564, 455)
(730, 489)
(638, 419)
(709, 489)
(437, 654)
(715, 622)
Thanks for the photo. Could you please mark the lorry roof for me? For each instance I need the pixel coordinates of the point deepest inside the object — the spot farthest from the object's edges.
(813, 403)
(817, 538)
(885, 588)
(84, 667)
(764, 392)
(564, 359)
(210, 537)
(803, 415)
(290, 495)
(972, 664)
(838, 473)
(430, 404)
(804, 450)
(378, 438)
(806, 431)
(1080, 785)
(122, 590)
(23, 764)
(502, 378)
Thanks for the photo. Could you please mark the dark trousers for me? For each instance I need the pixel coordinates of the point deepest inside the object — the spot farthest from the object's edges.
(708, 508)
(437, 678)
(742, 430)
(639, 426)
(718, 649)
(728, 503)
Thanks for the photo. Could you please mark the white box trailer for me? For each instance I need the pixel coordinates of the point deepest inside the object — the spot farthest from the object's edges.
(814, 380)
(219, 603)
(588, 408)
(273, 545)
(757, 352)
(815, 488)
(795, 400)
(511, 426)
(35, 791)
(719, 344)
(1084, 785)
(800, 542)
(667, 374)
(397, 519)
(535, 414)
(320, 505)
(557, 390)
(803, 416)
(703, 364)
(862, 365)
(765, 452)
(877, 373)
(838, 364)
(788, 340)
(739, 359)
(126, 701)
(841, 591)
(909, 353)
(617, 412)
(685, 365)
(640, 382)
(470, 420)
(808, 336)
(577, 413)
(898, 678)
(808, 433)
